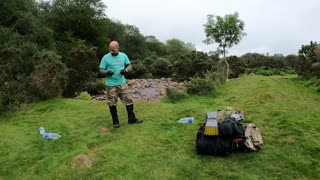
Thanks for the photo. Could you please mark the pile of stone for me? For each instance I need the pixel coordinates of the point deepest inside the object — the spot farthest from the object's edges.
(148, 89)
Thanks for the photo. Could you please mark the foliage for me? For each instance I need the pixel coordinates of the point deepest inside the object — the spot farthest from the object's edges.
(138, 69)
(133, 43)
(84, 96)
(177, 48)
(82, 67)
(49, 76)
(226, 31)
(196, 63)
(161, 68)
(236, 66)
(266, 65)
(308, 55)
(16, 67)
(200, 86)
(156, 46)
(96, 86)
(12, 10)
(174, 95)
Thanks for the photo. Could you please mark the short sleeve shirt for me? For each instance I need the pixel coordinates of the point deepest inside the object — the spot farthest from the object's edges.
(114, 64)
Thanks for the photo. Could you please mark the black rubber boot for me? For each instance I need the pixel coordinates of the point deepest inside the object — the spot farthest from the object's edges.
(131, 116)
(114, 114)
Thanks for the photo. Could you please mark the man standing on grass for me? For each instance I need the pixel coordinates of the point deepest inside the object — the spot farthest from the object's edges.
(114, 66)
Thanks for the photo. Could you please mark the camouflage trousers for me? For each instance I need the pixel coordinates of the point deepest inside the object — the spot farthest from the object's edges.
(115, 92)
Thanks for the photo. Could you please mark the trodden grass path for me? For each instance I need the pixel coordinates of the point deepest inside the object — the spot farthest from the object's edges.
(286, 112)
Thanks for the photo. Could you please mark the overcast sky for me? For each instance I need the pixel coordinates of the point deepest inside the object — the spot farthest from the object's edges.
(272, 26)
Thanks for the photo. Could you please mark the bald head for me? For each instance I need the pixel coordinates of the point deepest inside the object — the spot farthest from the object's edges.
(114, 48)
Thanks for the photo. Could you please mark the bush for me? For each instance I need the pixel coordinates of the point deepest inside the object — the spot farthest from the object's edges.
(175, 95)
(95, 87)
(82, 66)
(265, 71)
(138, 70)
(48, 78)
(84, 96)
(200, 86)
(161, 68)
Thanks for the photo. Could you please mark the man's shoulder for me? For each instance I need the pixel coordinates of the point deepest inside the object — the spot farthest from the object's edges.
(123, 54)
(105, 57)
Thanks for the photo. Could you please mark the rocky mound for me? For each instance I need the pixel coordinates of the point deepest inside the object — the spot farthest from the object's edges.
(148, 89)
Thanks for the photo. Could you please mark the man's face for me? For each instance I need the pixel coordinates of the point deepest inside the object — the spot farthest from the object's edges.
(113, 50)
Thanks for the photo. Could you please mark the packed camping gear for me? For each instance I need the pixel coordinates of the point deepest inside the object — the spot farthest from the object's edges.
(223, 133)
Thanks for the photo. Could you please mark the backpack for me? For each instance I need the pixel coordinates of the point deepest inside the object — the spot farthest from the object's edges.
(231, 127)
(231, 136)
(230, 139)
(253, 137)
(213, 145)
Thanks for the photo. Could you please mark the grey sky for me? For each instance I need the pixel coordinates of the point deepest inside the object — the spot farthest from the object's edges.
(272, 26)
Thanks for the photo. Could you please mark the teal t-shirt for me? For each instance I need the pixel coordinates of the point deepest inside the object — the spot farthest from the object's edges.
(115, 64)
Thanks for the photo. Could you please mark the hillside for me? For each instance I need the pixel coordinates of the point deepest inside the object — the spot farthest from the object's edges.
(285, 111)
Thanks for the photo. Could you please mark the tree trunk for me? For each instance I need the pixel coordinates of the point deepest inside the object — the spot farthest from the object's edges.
(225, 60)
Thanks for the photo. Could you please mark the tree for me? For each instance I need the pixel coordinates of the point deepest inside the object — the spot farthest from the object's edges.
(177, 48)
(134, 43)
(307, 60)
(154, 45)
(225, 31)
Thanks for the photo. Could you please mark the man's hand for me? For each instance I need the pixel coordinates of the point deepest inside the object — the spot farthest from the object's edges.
(123, 71)
(110, 73)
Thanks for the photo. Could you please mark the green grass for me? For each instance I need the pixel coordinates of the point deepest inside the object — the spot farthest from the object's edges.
(286, 112)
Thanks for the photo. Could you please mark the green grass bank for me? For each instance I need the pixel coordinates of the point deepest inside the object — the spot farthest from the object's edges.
(286, 112)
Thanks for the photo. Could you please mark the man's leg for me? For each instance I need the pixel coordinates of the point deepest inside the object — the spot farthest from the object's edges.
(131, 116)
(126, 98)
(112, 98)
(114, 114)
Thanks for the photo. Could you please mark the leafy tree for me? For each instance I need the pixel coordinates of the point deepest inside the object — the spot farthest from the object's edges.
(154, 45)
(82, 67)
(253, 60)
(134, 43)
(177, 48)
(291, 60)
(236, 66)
(74, 21)
(138, 69)
(196, 63)
(226, 31)
(162, 68)
(48, 79)
(308, 55)
(12, 10)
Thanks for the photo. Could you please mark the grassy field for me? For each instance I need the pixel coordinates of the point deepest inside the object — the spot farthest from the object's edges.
(286, 112)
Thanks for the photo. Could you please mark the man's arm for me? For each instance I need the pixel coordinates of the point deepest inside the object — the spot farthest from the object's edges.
(105, 73)
(126, 69)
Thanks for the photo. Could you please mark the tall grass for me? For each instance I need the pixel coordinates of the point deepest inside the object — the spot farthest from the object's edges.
(286, 112)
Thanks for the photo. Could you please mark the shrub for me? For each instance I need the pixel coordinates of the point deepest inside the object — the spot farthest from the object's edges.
(48, 78)
(175, 95)
(82, 66)
(200, 86)
(138, 69)
(84, 96)
(95, 87)
(162, 68)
